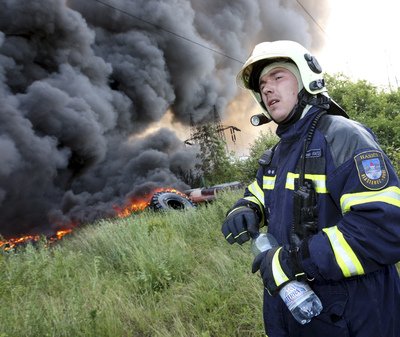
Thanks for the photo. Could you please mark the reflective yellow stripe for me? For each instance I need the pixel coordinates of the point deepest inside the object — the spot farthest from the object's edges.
(240, 234)
(290, 180)
(257, 191)
(259, 204)
(344, 255)
(235, 209)
(319, 181)
(254, 200)
(279, 276)
(269, 183)
(390, 195)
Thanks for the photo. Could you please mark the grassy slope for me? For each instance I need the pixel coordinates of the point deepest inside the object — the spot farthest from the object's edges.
(152, 274)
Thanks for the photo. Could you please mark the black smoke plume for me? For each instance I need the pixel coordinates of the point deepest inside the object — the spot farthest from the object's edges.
(81, 83)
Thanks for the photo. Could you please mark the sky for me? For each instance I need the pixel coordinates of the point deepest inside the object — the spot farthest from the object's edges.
(361, 40)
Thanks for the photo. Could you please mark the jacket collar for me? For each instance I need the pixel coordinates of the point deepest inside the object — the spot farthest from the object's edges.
(296, 130)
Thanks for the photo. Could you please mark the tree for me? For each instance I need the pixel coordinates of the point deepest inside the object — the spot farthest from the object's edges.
(214, 161)
(377, 109)
(247, 169)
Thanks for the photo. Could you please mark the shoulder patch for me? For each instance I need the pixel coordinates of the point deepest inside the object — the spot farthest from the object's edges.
(372, 170)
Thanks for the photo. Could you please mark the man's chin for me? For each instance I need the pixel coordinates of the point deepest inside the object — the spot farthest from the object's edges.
(278, 118)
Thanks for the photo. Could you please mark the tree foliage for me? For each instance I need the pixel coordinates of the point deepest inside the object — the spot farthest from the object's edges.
(377, 109)
(214, 161)
(247, 169)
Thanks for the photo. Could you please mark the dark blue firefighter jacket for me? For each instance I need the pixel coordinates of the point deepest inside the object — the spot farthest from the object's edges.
(353, 255)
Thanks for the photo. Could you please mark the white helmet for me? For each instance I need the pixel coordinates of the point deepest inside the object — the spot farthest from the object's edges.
(268, 52)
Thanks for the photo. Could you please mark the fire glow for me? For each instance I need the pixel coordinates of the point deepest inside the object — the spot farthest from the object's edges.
(25, 239)
(135, 204)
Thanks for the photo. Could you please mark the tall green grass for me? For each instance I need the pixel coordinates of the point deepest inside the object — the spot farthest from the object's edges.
(152, 274)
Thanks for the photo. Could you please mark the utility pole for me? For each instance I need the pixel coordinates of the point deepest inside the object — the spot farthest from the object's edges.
(218, 126)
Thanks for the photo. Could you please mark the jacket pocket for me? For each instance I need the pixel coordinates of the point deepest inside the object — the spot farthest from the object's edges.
(330, 322)
(334, 299)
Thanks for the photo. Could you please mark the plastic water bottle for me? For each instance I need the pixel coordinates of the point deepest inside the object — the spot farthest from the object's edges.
(300, 299)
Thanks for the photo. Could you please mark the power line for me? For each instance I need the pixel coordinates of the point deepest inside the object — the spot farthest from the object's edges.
(168, 31)
(190, 40)
(312, 18)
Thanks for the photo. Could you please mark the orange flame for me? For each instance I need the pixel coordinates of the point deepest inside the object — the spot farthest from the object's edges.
(13, 242)
(134, 204)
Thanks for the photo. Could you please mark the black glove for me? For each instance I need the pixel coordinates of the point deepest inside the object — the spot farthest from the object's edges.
(278, 266)
(240, 224)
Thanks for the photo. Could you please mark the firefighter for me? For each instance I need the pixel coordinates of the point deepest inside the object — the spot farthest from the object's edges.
(348, 254)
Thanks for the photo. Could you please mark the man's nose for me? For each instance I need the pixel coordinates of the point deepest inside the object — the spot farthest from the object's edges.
(267, 88)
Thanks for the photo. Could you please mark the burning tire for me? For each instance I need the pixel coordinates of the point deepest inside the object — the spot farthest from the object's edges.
(170, 200)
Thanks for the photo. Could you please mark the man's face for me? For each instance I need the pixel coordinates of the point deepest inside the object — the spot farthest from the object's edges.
(279, 91)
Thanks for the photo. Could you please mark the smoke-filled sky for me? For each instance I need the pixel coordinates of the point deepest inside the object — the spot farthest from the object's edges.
(82, 84)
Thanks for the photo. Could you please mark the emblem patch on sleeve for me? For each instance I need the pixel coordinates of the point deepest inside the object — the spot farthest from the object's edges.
(372, 170)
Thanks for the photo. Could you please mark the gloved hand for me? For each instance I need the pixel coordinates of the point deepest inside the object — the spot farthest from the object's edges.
(278, 266)
(240, 224)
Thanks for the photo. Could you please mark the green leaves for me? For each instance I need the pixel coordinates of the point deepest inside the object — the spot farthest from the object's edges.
(375, 108)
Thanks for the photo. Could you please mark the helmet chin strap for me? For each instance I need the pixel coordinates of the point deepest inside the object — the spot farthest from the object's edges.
(297, 110)
(304, 98)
